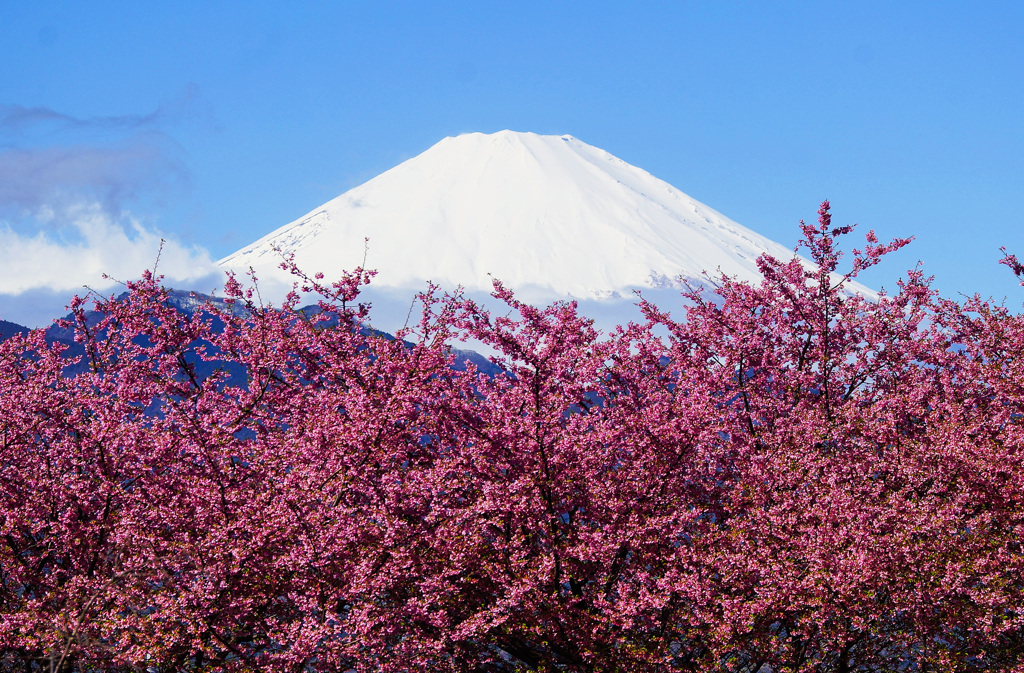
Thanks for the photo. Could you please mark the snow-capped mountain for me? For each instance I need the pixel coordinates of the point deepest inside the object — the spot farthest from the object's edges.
(548, 215)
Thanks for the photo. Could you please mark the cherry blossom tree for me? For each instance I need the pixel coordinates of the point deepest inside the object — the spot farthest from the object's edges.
(789, 477)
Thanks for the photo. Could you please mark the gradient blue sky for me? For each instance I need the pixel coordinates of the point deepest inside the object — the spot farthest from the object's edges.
(212, 123)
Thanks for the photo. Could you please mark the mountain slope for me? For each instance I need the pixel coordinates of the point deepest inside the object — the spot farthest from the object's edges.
(547, 214)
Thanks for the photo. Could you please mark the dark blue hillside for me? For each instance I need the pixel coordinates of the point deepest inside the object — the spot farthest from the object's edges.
(9, 329)
(190, 302)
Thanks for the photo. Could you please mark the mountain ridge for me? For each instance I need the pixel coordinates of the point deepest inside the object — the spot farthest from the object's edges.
(548, 215)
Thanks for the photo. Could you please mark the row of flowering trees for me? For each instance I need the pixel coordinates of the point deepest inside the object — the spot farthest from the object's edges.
(790, 478)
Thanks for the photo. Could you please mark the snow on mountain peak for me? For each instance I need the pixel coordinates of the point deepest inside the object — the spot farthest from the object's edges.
(549, 215)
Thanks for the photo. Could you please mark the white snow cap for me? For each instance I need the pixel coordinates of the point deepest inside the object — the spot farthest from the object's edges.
(550, 215)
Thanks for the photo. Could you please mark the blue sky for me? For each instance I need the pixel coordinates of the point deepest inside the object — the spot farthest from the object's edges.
(210, 124)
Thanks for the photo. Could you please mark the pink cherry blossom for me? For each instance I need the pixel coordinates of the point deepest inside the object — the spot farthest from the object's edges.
(789, 478)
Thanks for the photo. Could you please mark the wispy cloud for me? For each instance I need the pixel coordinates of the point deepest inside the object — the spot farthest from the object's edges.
(49, 158)
(78, 196)
(38, 121)
(21, 120)
(114, 176)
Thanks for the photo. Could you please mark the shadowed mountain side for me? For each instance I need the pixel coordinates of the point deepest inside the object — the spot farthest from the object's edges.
(190, 302)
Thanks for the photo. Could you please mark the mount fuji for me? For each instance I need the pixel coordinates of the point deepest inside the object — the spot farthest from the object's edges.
(550, 216)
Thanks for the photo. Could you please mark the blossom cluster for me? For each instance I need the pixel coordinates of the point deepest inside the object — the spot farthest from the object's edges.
(788, 478)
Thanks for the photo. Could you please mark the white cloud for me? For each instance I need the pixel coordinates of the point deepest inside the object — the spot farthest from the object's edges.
(82, 242)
